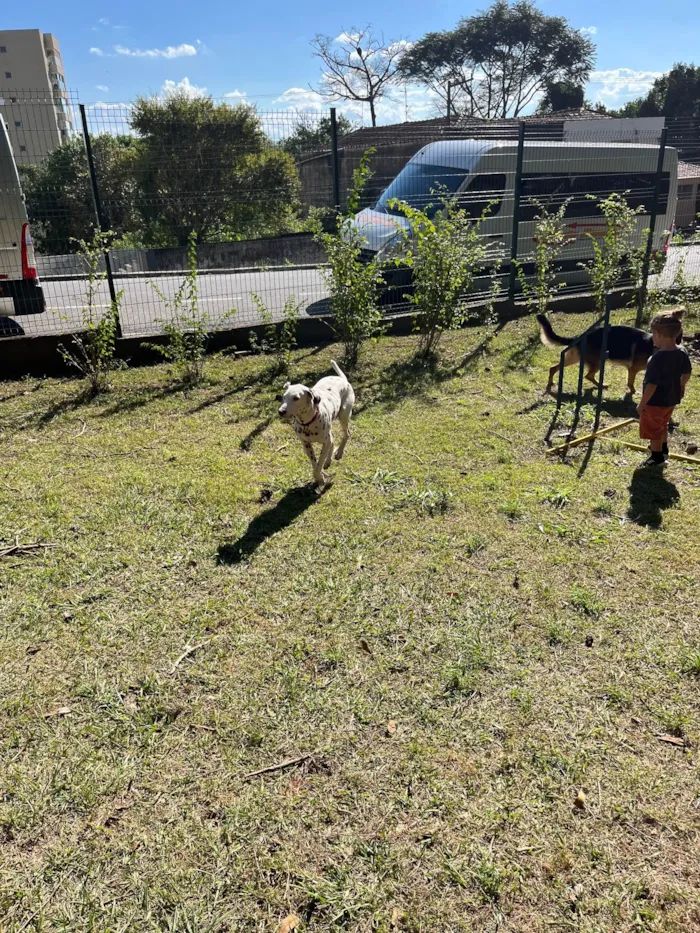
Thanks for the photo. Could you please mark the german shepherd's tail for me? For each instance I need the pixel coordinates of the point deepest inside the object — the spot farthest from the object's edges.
(547, 335)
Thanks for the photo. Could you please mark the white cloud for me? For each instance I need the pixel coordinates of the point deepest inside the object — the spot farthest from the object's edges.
(347, 37)
(182, 87)
(96, 51)
(620, 84)
(402, 45)
(102, 87)
(236, 95)
(589, 30)
(185, 50)
(408, 103)
(103, 105)
(103, 21)
(301, 99)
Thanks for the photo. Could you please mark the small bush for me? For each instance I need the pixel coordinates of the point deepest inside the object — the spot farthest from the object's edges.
(352, 283)
(187, 327)
(550, 238)
(92, 350)
(445, 252)
(613, 253)
(279, 339)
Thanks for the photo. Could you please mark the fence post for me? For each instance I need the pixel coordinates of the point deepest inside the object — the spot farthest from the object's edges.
(334, 160)
(101, 222)
(652, 225)
(517, 189)
(603, 360)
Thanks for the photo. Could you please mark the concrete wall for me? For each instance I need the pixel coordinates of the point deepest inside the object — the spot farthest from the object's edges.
(296, 249)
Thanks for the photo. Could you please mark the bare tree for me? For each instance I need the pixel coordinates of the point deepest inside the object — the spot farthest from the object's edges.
(358, 65)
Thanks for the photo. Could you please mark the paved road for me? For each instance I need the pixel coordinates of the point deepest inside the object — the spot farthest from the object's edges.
(142, 309)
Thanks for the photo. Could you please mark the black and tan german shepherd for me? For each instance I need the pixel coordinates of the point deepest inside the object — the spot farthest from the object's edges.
(627, 346)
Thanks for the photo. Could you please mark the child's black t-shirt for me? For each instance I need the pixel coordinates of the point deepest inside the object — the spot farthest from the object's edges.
(664, 370)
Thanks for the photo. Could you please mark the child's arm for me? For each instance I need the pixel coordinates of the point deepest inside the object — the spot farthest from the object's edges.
(684, 382)
(649, 390)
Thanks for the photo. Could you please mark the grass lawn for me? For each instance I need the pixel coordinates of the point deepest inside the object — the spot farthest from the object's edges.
(490, 656)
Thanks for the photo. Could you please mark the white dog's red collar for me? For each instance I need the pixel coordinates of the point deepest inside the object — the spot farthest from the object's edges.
(305, 424)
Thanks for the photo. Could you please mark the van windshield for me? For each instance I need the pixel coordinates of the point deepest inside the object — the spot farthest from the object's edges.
(421, 186)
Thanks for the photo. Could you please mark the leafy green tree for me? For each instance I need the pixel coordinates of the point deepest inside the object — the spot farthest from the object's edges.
(500, 59)
(561, 95)
(208, 168)
(59, 194)
(673, 95)
(309, 135)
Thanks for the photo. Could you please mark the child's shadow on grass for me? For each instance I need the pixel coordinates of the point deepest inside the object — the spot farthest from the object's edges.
(650, 494)
(267, 524)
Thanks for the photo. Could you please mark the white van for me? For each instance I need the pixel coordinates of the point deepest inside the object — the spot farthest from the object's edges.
(20, 290)
(483, 171)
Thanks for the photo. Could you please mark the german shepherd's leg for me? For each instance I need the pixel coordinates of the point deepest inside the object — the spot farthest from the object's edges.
(570, 358)
(593, 368)
(590, 373)
(635, 367)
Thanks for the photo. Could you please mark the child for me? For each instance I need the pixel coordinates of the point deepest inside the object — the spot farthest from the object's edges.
(668, 372)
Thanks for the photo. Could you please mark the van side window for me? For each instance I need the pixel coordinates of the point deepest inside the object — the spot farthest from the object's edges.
(549, 190)
(553, 190)
(481, 191)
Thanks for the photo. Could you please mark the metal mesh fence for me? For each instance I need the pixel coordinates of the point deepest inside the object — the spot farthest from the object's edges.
(250, 186)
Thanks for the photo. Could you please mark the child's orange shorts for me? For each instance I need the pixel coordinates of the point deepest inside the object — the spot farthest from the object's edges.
(653, 422)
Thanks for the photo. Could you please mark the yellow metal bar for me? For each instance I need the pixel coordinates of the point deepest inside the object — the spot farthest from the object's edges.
(588, 437)
(684, 457)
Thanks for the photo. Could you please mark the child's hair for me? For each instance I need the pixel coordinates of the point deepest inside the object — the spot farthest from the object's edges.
(668, 323)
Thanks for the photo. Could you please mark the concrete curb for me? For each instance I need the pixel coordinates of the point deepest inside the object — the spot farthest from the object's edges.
(182, 272)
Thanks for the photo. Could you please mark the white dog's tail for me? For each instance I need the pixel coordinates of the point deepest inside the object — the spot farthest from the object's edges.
(338, 370)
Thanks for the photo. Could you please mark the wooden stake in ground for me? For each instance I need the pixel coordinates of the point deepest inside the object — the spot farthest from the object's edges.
(588, 437)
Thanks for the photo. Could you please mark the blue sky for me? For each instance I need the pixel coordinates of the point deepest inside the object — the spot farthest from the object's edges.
(261, 50)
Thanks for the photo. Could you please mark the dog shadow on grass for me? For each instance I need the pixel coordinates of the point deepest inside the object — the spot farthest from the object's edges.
(268, 523)
(650, 494)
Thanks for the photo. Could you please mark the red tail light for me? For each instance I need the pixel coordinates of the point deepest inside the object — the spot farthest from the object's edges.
(28, 260)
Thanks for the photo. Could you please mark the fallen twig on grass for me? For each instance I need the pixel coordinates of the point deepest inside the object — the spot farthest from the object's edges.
(18, 548)
(190, 649)
(502, 436)
(280, 766)
(82, 430)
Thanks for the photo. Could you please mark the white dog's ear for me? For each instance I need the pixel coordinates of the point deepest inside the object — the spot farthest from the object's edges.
(286, 385)
(316, 397)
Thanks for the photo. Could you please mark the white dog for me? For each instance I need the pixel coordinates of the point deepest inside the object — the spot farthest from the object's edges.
(312, 413)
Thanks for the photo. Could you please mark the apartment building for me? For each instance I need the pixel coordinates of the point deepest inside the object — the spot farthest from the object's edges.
(34, 99)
